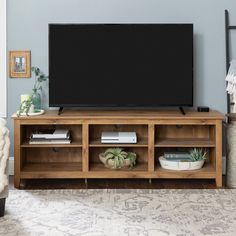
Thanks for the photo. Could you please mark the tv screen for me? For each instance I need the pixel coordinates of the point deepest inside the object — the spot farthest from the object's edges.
(120, 65)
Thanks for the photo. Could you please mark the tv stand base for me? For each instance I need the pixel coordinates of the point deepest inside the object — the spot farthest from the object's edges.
(157, 131)
(60, 110)
(182, 110)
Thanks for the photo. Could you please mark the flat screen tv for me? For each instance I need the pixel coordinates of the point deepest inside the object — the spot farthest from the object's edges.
(120, 65)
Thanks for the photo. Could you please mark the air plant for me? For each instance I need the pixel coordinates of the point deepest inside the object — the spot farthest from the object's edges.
(118, 155)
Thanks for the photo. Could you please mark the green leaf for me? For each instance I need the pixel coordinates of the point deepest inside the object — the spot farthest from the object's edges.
(109, 156)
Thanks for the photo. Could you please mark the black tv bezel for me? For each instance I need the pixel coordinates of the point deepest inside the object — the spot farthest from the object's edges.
(120, 105)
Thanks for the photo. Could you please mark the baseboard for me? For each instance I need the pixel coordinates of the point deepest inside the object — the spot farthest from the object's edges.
(11, 165)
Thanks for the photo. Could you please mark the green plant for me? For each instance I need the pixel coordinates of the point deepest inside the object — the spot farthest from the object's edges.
(118, 155)
(25, 107)
(197, 154)
(39, 78)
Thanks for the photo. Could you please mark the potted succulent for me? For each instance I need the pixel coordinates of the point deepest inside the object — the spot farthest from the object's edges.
(116, 158)
(196, 161)
(40, 77)
(197, 154)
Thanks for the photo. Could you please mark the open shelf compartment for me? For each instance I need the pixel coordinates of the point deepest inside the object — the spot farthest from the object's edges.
(75, 130)
(207, 171)
(95, 133)
(184, 136)
(141, 162)
(51, 162)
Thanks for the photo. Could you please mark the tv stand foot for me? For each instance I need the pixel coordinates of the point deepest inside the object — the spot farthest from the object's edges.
(182, 110)
(60, 111)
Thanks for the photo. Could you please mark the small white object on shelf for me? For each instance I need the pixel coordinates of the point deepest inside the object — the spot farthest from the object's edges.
(48, 141)
(119, 137)
(180, 165)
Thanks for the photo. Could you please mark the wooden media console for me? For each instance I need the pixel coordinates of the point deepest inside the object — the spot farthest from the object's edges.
(157, 131)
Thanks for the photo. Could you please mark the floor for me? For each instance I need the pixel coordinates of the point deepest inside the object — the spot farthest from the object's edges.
(117, 184)
(120, 212)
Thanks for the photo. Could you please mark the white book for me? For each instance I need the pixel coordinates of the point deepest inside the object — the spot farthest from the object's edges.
(50, 142)
(57, 134)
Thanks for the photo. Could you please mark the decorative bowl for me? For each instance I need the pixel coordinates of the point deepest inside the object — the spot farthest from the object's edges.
(111, 163)
(180, 165)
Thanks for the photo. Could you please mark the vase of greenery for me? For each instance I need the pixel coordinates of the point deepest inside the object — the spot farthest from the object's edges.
(117, 158)
(40, 77)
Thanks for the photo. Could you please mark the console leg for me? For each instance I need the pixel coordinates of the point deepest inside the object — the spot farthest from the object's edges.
(219, 182)
(2, 206)
(16, 181)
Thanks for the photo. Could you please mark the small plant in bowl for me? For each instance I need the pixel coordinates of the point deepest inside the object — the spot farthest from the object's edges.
(195, 161)
(117, 158)
(197, 154)
(25, 107)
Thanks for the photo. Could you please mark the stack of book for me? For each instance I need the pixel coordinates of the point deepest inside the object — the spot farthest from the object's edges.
(58, 136)
(177, 156)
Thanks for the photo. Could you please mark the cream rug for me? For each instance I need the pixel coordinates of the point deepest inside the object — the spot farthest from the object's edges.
(120, 212)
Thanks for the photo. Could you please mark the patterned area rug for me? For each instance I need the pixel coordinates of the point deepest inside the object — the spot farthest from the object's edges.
(120, 212)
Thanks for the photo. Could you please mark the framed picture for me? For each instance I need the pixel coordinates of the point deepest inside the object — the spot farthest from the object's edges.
(19, 64)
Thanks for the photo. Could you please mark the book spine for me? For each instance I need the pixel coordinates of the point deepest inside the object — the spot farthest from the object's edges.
(176, 155)
(178, 159)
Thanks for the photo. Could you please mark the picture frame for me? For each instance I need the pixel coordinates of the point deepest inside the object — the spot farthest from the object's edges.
(20, 64)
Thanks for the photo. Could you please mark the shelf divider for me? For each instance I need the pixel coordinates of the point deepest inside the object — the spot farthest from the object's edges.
(85, 152)
(151, 147)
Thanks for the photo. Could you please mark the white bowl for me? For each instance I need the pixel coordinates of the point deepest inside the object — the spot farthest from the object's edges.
(180, 165)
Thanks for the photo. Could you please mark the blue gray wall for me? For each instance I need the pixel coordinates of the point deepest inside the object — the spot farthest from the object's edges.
(28, 30)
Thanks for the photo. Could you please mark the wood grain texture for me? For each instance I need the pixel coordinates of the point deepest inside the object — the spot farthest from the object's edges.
(151, 153)
(97, 170)
(134, 115)
(184, 142)
(85, 153)
(142, 142)
(207, 172)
